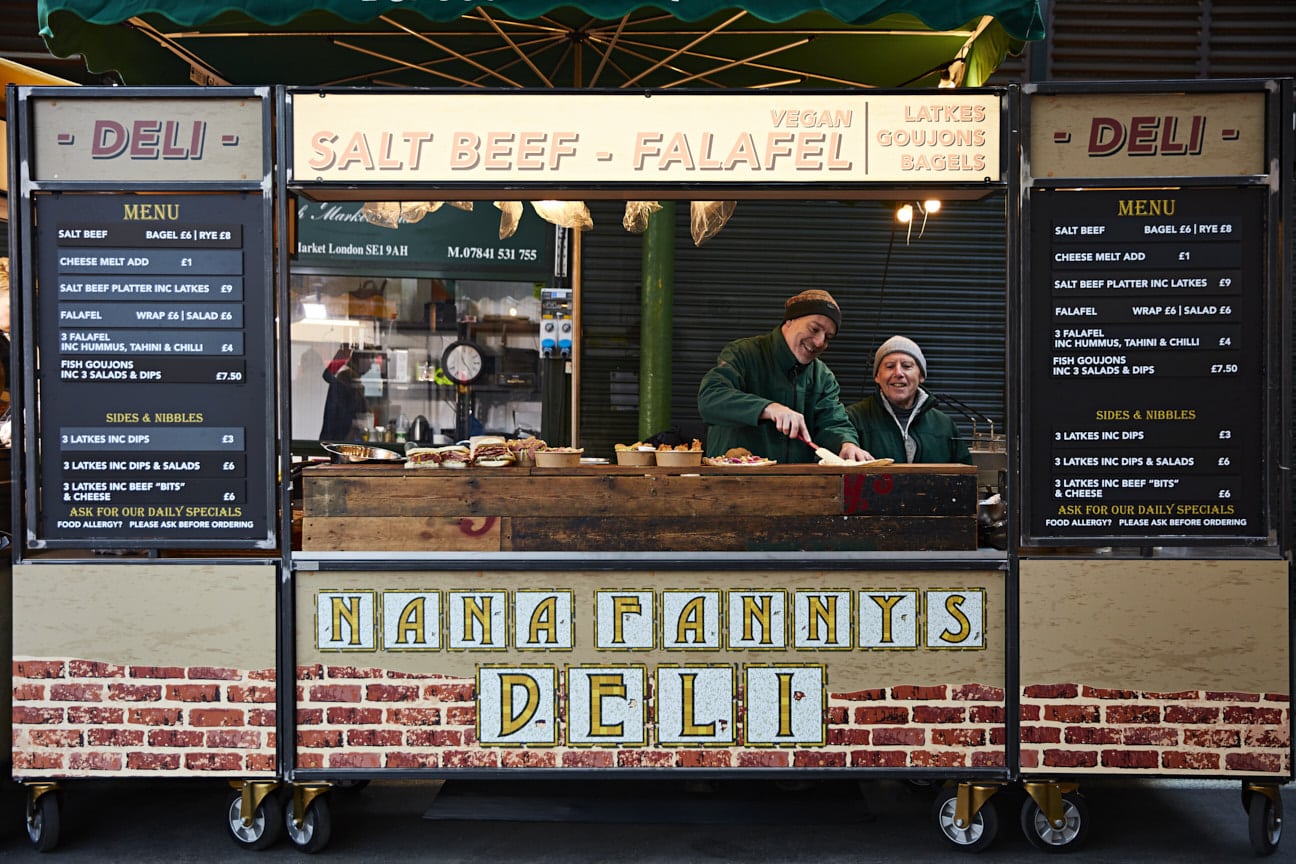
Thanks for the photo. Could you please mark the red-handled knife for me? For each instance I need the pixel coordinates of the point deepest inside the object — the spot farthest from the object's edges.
(825, 455)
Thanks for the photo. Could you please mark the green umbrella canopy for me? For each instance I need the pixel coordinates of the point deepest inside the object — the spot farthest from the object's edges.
(540, 43)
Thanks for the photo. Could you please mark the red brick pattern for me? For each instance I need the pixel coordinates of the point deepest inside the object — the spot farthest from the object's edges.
(83, 718)
(1089, 729)
(365, 718)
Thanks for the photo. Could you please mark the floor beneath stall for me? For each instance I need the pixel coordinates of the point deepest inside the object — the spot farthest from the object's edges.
(521, 822)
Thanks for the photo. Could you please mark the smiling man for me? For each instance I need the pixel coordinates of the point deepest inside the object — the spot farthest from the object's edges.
(771, 394)
(901, 421)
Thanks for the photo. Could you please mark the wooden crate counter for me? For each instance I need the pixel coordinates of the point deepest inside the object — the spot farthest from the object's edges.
(609, 508)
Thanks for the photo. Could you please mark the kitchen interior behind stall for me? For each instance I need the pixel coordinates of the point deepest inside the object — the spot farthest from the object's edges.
(405, 323)
(940, 278)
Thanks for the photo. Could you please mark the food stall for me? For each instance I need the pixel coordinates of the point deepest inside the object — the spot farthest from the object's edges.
(678, 617)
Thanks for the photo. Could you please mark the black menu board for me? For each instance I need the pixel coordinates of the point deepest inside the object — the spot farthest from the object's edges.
(1144, 407)
(155, 393)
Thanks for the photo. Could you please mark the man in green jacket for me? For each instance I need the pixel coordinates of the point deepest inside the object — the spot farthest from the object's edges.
(773, 395)
(901, 421)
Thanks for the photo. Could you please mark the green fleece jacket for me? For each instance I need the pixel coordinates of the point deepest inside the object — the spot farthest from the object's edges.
(935, 437)
(749, 374)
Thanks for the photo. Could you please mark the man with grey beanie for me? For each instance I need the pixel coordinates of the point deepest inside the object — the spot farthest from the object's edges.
(901, 421)
(772, 395)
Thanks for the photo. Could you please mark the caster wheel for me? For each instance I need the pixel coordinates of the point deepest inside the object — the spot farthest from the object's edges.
(1052, 838)
(973, 837)
(312, 834)
(267, 822)
(1265, 822)
(43, 822)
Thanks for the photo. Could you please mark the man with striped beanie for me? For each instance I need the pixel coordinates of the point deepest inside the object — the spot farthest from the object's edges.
(772, 395)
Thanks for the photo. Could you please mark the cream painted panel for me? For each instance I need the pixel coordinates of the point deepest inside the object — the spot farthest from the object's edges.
(1157, 625)
(177, 614)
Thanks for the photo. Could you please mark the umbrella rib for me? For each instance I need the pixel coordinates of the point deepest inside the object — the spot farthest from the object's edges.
(509, 39)
(175, 48)
(456, 54)
(405, 63)
(684, 49)
(741, 61)
(766, 67)
(639, 55)
(428, 66)
(607, 52)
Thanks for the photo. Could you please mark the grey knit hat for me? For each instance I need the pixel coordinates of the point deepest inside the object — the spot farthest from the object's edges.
(902, 345)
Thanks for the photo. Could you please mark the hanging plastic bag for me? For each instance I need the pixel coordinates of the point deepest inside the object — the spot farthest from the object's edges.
(565, 214)
(390, 214)
(636, 215)
(510, 215)
(384, 214)
(706, 218)
(413, 211)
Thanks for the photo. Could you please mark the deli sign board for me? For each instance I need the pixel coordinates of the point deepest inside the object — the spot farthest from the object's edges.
(1096, 135)
(725, 139)
(148, 139)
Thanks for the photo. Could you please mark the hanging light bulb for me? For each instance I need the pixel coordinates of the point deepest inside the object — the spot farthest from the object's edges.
(904, 213)
(931, 205)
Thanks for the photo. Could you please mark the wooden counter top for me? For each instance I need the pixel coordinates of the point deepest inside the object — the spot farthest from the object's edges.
(376, 507)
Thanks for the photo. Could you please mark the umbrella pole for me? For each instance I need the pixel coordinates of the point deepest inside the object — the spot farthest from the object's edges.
(576, 249)
(655, 322)
(576, 337)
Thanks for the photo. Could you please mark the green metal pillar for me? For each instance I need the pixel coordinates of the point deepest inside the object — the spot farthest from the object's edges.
(656, 322)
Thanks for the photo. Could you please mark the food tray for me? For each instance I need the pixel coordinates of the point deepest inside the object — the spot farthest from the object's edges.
(558, 458)
(362, 453)
(679, 458)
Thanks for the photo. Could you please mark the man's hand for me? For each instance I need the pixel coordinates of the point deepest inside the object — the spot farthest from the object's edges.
(854, 453)
(790, 423)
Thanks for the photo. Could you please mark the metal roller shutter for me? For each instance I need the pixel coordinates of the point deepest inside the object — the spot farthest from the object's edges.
(946, 289)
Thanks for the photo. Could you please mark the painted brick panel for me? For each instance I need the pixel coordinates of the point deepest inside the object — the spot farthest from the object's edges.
(633, 759)
(153, 762)
(193, 692)
(94, 715)
(95, 761)
(817, 759)
(155, 716)
(764, 759)
(1082, 729)
(358, 717)
(431, 760)
(90, 669)
(81, 717)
